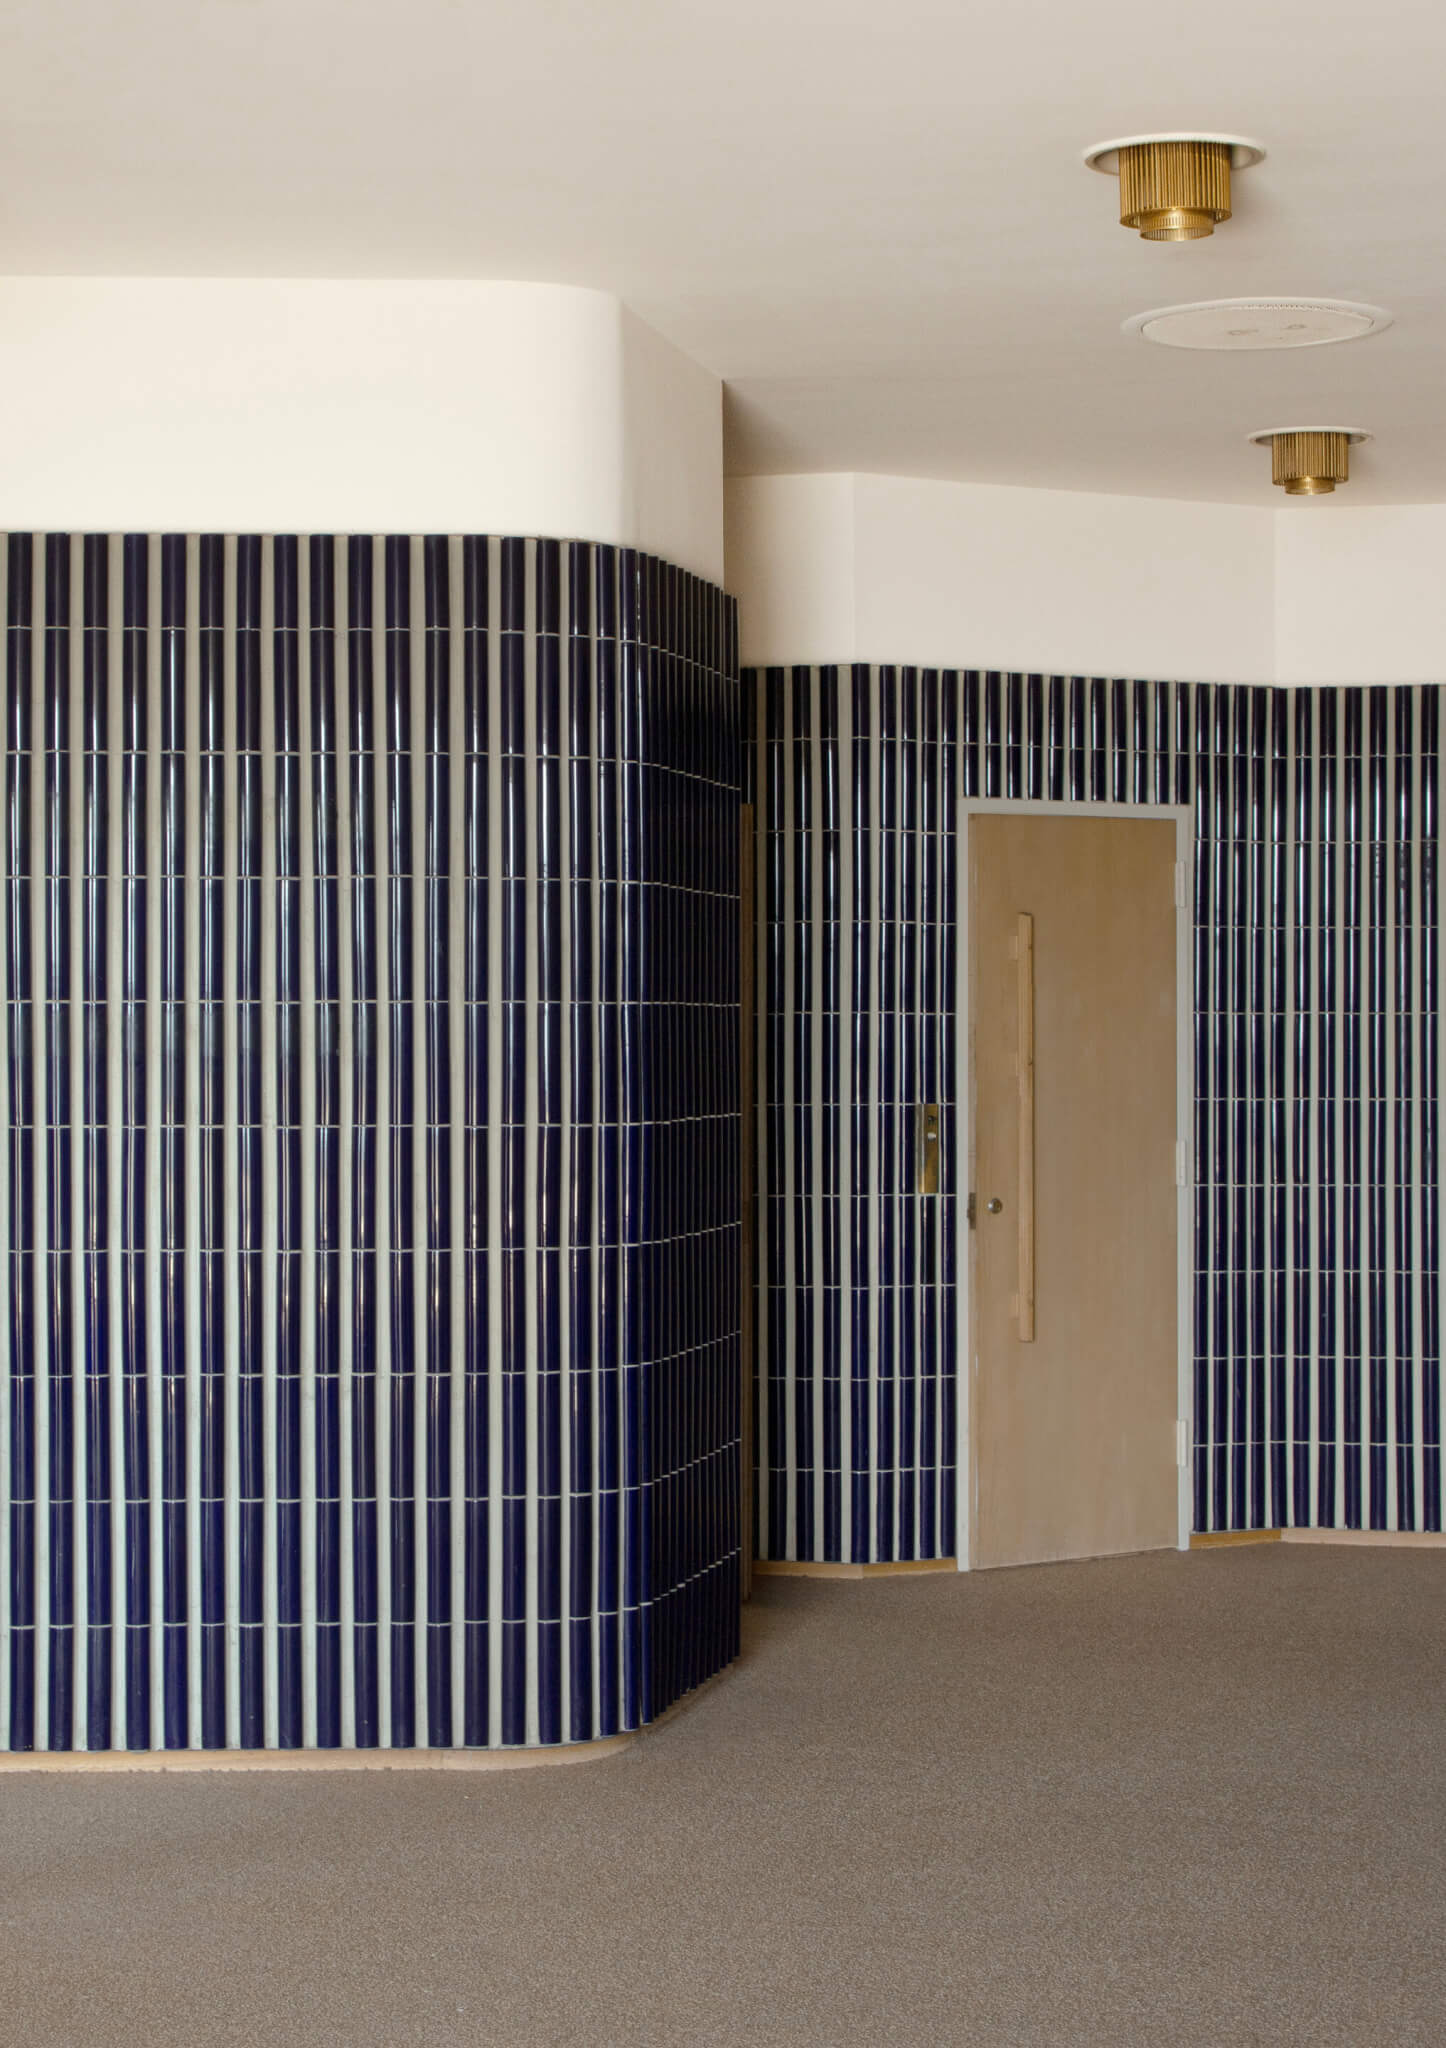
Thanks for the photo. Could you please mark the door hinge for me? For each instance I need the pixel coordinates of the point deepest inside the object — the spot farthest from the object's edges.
(1182, 1162)
(1182, 1443)
(1182, 885)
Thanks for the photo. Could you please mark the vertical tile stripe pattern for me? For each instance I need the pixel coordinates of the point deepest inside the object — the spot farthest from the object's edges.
(1317, 1045)
(369, 1319)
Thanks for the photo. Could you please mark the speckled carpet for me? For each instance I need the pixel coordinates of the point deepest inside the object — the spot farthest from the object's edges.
(1159, 1800)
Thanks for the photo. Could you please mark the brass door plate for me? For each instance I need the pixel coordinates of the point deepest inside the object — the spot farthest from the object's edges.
(928, 1148)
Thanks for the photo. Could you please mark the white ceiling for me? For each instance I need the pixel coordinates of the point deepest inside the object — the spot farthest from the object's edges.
(871, 220)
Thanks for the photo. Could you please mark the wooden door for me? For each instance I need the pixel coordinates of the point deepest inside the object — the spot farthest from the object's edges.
(1073, 1425)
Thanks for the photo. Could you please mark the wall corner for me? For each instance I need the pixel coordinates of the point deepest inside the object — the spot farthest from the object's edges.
(791, 552)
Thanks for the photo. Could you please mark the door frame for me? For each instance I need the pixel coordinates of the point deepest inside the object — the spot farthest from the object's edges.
(1028, 807)
(747, 1179)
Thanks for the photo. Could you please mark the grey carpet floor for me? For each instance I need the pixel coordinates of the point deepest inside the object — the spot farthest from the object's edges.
(1159, 1800)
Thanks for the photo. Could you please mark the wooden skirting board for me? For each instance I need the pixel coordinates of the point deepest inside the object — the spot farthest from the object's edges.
(352, 1759)
(1397, 1539)
(790, 1568)
(311, 1759)
(1365, 1539)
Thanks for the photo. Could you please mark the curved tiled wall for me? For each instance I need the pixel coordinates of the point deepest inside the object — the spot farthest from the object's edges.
(1318, 1059)
(370, 1306)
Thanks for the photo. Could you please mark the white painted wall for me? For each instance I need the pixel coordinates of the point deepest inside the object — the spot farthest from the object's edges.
(880, 568)
(354, 406)
(1064, 581)
(1360, 593)
(789, 546)
(672, 448)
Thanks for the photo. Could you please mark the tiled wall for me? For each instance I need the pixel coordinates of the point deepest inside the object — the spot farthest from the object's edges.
(1317, 1049)
(369, 1307)
(853, 777)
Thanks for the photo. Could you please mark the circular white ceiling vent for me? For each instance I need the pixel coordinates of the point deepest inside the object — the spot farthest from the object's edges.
(1259, 323)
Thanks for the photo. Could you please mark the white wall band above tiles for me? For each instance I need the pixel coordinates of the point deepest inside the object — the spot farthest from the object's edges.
(353, 405)
(879, 568)
(909, 569)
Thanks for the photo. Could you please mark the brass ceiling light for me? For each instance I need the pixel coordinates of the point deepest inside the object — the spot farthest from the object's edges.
(1174, 188)
(1309, 461)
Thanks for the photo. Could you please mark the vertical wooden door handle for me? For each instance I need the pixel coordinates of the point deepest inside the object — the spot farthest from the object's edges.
(1025, 952)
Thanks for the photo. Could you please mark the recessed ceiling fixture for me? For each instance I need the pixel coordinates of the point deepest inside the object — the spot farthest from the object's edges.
(1174, 188)
(1309, 461)
(1258, 323)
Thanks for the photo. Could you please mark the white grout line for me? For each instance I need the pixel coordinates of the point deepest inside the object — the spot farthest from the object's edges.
(788, 1078)
(382, 1201)
(847, 1097)
(917, 1024)
(193, 1221)
(1338, 939)
(270, 1142)
(310, 1330)
(115, 1137)
(1256, 995)
(1312, 1178)
(490, 712)
(344, 709)
(1439, 1054)
(565, 1289)
(7, 1334)
(422, 1262)
(40, 1258)
(819, 1192)
(1203, 1030)
(155, 1025)
(80, 1120)
(1418, 1058)
(964, 1148)
(1417, 1053)
(1290, 1151)
(595, 1192)
(873, 1158)
(531, 1263)
(1277, 1258)
(766, 847)
(1390, 1248)
(458, 1235)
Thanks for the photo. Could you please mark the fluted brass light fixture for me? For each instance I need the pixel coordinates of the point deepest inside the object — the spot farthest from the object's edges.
(1309, 461)
(1174, 188)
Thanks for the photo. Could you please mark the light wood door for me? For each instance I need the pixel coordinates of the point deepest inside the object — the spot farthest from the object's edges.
(1073, 1429)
